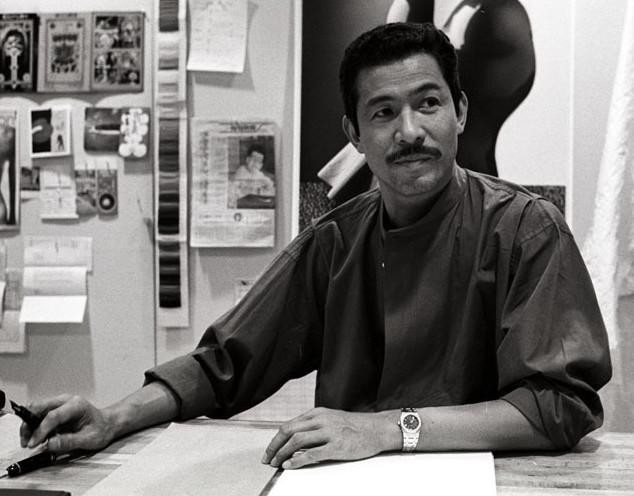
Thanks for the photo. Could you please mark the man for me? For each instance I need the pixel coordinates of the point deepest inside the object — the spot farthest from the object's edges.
(455, 294)
(249, 179)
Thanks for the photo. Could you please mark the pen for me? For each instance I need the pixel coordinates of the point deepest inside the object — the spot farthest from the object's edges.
(26, 415)
(43, 459)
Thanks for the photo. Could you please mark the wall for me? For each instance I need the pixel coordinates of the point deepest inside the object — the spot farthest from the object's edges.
(104, 356)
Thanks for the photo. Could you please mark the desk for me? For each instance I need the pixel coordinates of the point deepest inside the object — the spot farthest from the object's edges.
(601, 465)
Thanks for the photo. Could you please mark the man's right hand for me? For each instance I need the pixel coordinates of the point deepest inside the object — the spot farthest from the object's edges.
(69, 423)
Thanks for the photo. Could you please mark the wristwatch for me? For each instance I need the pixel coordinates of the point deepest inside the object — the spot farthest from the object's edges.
(410, 428)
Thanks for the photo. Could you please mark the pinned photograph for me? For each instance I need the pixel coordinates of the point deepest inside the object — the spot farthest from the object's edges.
(102, 129)
(86, 189)
(18, 52)
(9, 188)
(117, 51)
(64, 60)
(50, 131)
(252, 177)
(135, 127)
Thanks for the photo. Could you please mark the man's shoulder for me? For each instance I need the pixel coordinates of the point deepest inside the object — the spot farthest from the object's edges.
(515, 204)
(352, 211)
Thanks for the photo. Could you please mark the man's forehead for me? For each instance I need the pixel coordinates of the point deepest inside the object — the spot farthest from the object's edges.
(410, 74)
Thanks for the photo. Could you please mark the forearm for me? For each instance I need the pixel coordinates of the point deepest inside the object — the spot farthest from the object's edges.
(493, 425)
(153, 404)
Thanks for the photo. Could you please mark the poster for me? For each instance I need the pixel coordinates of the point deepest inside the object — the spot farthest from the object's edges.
(135, 133)
(64, 61)
(233, 184)
(50, 131)
(18, 52)
(499, 143)
(9, 180)
(117, 51)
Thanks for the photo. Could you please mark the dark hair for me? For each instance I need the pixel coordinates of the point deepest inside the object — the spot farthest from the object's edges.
(255, 147)
(390, 43)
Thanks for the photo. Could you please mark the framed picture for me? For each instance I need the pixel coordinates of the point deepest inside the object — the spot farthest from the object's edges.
(50, 131)
(117, 51)
(64, 61)
(18, 52)
(9, 177)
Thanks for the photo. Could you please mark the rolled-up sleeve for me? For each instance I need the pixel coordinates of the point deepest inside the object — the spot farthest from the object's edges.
(553, 355)
(271, 336)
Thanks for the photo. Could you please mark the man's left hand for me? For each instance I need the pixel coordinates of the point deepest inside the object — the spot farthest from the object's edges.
(322, 434)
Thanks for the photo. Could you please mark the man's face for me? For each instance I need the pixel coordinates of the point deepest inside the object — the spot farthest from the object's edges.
(408, 127)
(255, 161)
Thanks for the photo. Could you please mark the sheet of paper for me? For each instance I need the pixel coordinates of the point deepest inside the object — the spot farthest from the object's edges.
(10, 450)
(449, 474)
(195, 460)
(53, 309)
(58, 250)
(218, 35)
(53, 294)
(57, 192)
(44, 281)
(233, 192)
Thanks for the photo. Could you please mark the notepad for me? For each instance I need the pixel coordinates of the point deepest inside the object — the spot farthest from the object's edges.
(446, 474)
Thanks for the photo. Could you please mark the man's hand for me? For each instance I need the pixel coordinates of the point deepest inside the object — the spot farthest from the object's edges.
(70, 423)
(322, 434)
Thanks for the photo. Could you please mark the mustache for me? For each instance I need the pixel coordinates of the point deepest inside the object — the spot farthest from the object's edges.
(412, 151)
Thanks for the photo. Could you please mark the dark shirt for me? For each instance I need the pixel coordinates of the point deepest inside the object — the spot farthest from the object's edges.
(485, 297)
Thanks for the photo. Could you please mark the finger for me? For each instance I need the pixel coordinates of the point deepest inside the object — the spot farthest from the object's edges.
(298, 442)
(308, 457)
(283, 435)
(54, 419)
(40, 408)
(43, 406)
(63, 443)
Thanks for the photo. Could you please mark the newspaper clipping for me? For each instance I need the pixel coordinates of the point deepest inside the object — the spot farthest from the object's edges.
(233, 184)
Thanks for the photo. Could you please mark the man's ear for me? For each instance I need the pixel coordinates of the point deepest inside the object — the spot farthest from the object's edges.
(351, 133)
(463, 105)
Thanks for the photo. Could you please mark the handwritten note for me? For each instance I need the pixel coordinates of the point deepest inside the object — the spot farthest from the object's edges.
(218, 35)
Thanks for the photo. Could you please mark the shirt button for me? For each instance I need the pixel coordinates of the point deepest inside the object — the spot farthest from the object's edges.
(382, 265)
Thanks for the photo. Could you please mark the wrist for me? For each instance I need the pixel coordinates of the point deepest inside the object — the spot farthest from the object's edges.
(390, 438)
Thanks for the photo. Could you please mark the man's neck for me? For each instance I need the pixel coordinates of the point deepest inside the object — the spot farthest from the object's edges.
(402, 212)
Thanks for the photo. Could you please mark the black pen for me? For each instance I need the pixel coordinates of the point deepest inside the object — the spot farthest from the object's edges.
(43, 459)
(29, 418)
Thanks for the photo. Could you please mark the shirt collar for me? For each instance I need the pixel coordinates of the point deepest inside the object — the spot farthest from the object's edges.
(449, 197)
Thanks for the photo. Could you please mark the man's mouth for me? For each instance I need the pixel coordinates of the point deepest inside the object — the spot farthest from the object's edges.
(415, 153)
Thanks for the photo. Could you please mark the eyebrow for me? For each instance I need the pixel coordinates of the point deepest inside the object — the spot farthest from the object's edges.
(378, 99)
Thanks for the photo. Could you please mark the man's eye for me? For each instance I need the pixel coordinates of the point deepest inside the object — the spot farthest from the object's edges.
(383, 113)
(430, 102)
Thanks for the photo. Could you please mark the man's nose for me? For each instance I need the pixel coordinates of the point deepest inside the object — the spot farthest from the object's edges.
(409, 127)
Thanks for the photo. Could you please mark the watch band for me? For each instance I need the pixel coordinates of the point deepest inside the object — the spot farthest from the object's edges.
(410, 425)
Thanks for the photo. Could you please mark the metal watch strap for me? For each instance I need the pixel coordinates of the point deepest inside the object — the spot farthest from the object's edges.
(410, 439)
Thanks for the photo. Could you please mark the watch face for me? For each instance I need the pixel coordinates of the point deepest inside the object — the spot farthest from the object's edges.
(411, 422)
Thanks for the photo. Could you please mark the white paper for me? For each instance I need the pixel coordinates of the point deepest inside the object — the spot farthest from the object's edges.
(446, 474)
(58, 250)
(10, 450)
(53, 309)
(58, 281)
(57, 192)
(53, 294)
(195, 460)
(218, 35)
(227, 209)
